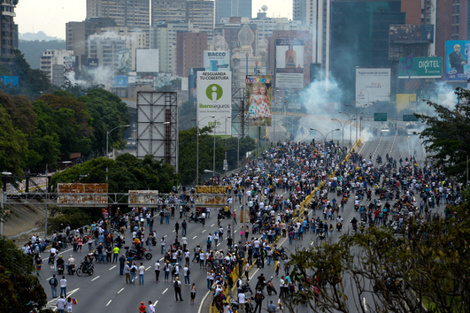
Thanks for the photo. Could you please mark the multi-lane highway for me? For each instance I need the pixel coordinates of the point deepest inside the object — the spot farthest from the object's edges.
(106, 290)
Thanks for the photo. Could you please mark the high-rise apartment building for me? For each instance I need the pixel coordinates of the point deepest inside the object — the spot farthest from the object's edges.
(53, 65)
(8, 28)
(453, 23)
(163, 37)
(231, 8)
(189, 51)
(198, 12)
(129, 13)
(316, 15)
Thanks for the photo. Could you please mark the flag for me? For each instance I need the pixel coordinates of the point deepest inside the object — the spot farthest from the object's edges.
(74, 301)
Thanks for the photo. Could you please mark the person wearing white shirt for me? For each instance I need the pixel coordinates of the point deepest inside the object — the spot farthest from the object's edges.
(186, 273)
(141, 274)
(151, 308)
(241, 301)
(61, 304)
(157, 270)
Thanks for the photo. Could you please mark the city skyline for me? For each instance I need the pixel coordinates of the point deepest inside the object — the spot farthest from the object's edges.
(32, 15)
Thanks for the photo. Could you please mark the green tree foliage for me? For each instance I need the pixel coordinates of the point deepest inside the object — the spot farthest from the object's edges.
(73, 123)
(428, 262)
(107, 112)
(126, 173)
(13, 145)
(19, 288)
(188, 152)
(447, 135)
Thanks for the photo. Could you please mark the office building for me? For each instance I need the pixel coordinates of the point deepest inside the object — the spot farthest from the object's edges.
(129, 13)
(232, 8)
(56, 63)
(8, 28)
(189, 51)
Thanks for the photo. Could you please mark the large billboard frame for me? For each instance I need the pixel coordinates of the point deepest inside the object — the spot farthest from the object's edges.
(157, 126)
(217, 61)
(420, 67)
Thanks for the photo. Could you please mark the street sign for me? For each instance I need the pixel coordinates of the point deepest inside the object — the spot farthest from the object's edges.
(410, 118)
(380, 117)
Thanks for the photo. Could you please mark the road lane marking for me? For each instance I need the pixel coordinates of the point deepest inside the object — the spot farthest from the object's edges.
(95, 278)
(165, 236)
(155, 302)
(120, 290)
(109, 302)
(364, 303)
(212, 225)
(204, 231)
(164, 291)
(194, 237)
(148, 268)
(160, 259)
(112, 267)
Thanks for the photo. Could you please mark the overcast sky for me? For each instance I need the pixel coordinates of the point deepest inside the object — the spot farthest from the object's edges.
(50, 16)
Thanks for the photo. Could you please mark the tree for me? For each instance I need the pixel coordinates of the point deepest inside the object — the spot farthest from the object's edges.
(19, 288)
(380, 271)
(107, 111)
(447, 135)
(13, 145)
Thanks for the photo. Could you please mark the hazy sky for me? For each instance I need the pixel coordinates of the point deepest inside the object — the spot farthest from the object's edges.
(50, 16)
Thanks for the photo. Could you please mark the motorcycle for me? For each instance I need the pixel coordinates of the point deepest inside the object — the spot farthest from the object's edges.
(138, 255)
(248, 306)
(51, 259)
(85, 269)
(71, 270)
(279, 253)
(246, 287)
(60, 269)
(270, 288)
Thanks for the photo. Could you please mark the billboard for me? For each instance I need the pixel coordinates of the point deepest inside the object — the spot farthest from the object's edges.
(192, 82)
(143, 197)
(259, 100)
(217, 61)
(406, 101)
(214, 98)
(147, 60)
(456, 54)
(407, 33)
(121, 81)
(124, 61)
(289, 63)
(372, 84)
(76, 194)
(13, 81)
(420, 67)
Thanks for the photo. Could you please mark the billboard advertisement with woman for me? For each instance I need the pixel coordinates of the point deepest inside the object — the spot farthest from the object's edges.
(259, 100)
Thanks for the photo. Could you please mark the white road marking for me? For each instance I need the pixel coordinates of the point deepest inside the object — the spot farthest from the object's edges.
(95, 278)
(155, 302)
(164, 291)
(364, 303)
(120, 290)
(212, 225)
(160, 259)
(204, 231)
(148, 268)
(109, 302)
(194, 237)
(165, 236)
(112, 267)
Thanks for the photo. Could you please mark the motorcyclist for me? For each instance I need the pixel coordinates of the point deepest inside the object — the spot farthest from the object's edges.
(354, 223)
(52, 255)
(60, 262)
(86, 262)
(261, 281)
(70, 262)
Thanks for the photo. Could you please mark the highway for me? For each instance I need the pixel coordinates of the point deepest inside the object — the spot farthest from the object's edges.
(106, 290)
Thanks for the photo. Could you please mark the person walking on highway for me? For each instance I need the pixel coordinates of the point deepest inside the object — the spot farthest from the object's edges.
(141, 274)
(133, 272)
(115, 254)
(186, 273)
(177, 287)
(122, 263)
(53, 282)
(157, 270)
(151, 307)
(61, 304)
(63, 286)
(142, 307)
(163, 243)
(193, 293)
(127, 272)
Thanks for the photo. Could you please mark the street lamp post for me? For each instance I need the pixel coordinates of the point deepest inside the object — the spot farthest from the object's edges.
(325, 137)
(3, 201)
(342, 130)
(107, 141)
(349, 120)
(197, 146)
(213, 163)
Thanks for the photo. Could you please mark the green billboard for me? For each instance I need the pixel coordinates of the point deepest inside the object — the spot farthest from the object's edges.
(410, 118)
(420, 67)
(380, 117)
